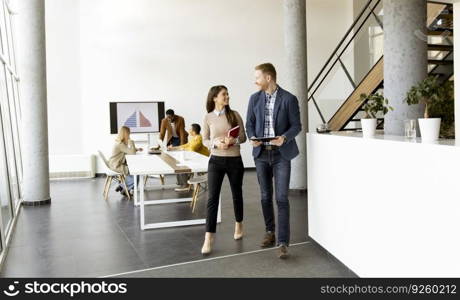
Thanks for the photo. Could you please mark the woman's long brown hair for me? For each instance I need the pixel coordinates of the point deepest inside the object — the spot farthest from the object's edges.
(123, 135)
(211, 105)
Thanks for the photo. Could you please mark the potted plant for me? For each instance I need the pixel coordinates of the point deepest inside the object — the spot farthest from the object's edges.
(433, 95)
(374, 103)
(444, 109)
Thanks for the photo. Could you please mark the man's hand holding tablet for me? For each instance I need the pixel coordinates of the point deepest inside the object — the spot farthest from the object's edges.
(257, 141)
(277, 141)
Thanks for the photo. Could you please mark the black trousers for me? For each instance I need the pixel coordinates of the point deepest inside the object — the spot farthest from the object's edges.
(217, 168)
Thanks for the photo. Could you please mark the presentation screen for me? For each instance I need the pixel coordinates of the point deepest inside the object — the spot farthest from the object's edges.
(140, 117)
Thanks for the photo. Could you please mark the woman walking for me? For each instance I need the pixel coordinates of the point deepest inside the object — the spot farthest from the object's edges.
(223, 131)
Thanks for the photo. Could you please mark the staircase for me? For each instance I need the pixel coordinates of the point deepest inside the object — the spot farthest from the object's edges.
(440, 62)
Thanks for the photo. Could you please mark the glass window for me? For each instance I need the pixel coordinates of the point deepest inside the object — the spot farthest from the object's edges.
(10, 120)
(17, 124)
(9, 38)
(8, 136)
(3, 42)
(5, 203)
(16, 98)
(14, 127)
(13, 46)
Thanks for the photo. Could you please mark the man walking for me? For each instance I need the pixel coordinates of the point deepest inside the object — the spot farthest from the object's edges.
(273, 113)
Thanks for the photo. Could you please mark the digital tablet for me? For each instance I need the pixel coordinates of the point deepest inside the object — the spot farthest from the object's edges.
(154, 151)
(263, 139)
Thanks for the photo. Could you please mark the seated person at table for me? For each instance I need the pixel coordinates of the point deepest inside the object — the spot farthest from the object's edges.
(195, 143)
(117, 162)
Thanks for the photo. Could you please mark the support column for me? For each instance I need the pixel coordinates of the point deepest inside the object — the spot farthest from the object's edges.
(405, 58)
(32, 73)
(295, 44)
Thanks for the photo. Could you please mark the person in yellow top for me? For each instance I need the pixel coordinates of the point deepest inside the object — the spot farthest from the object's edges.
(195, 143)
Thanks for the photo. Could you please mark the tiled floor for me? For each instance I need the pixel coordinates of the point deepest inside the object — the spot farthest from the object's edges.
(81, 235)
(306, 260)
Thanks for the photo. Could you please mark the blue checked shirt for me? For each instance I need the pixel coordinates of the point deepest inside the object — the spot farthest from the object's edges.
(269, 126)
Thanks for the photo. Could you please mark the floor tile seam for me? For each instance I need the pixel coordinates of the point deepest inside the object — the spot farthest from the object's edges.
(202, 260)
(131, 244)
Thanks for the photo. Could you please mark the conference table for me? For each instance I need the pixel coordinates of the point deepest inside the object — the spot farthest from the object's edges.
(167, 163)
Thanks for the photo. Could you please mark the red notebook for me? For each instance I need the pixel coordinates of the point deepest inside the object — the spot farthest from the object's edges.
(234, 132)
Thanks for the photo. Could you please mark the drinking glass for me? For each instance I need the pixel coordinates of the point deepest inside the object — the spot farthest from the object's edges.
(409, 129)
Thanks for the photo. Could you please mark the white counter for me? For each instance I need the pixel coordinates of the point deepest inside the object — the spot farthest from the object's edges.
(385, 206)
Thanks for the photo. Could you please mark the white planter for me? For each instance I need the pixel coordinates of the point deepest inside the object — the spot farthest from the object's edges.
(369, 126)
(429, 129)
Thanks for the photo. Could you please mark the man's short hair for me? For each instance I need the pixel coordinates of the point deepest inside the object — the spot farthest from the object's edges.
(267, 68)
(170, 112)
(196, 128)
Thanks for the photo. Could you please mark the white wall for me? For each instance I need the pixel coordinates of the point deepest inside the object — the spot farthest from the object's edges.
(63, 77)
(171, 51)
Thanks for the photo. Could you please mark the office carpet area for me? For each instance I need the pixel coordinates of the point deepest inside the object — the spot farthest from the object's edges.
(82, 235)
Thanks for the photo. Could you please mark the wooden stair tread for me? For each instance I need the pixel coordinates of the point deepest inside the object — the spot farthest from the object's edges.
(352, 105)
(440, 62)
(440, 32)
(435, 47)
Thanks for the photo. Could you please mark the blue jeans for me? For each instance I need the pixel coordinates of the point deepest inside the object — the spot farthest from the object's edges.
(174, 141)
(271, 164)
(130, 182)
(181, 178)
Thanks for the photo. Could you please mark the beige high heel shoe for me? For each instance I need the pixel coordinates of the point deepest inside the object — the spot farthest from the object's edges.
(207, 245)
(238, 231)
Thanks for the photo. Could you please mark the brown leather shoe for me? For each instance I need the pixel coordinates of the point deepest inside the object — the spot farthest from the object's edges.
(269, 240)
(283, 252)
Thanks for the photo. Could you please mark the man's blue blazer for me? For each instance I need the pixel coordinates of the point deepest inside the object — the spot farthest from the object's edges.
(286, 117)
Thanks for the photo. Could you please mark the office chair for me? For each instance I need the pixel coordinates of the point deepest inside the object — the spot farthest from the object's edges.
(110, 175)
